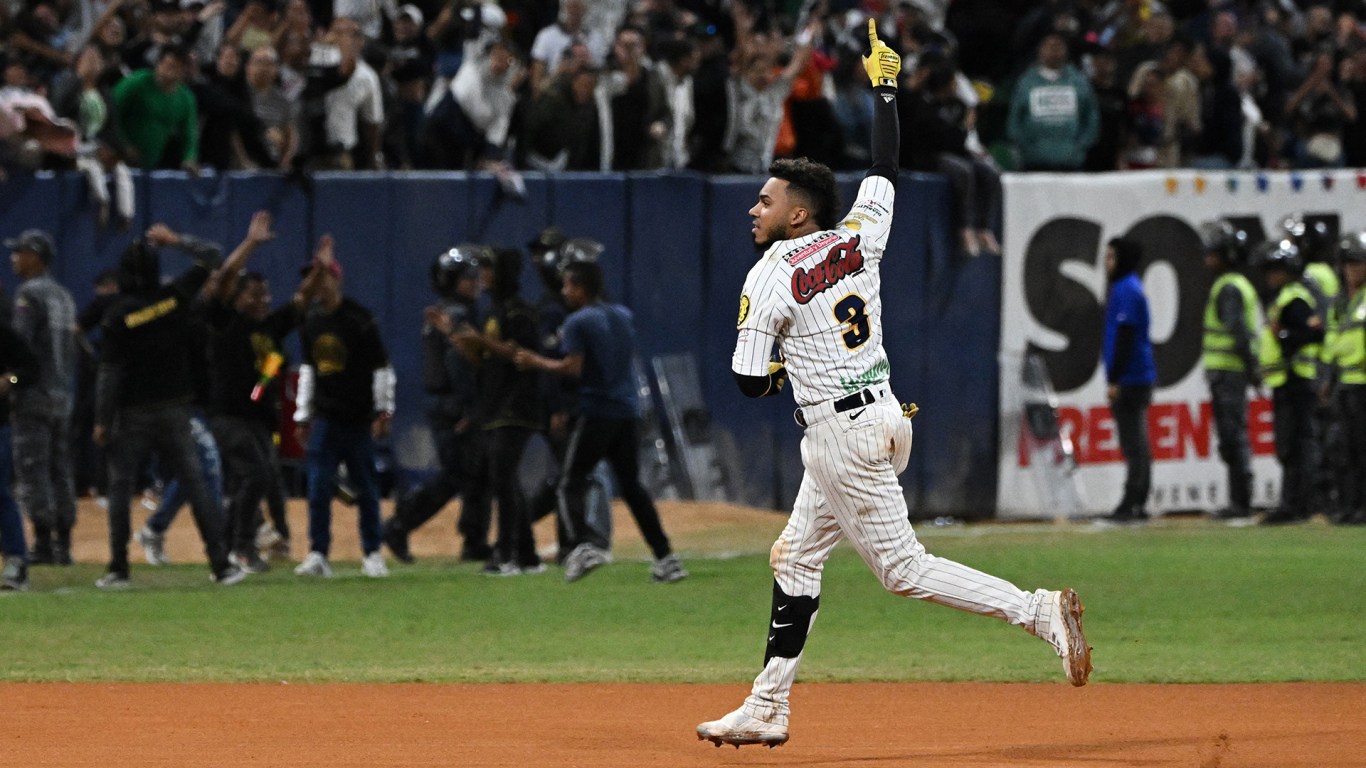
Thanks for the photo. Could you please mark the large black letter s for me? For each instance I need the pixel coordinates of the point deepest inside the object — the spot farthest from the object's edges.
(1064, 305)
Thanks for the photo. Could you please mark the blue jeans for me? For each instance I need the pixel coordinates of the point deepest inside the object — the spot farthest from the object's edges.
(173, 497)
(329, 444)
(11, 524)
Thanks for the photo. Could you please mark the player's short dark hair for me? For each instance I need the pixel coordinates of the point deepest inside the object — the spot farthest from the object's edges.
(812, 181)
(586, 275)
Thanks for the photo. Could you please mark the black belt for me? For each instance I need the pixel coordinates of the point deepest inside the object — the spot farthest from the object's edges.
(847, 403)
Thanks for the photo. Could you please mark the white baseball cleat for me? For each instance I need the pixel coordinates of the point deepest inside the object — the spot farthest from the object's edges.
(739, 728)
(1066, 635)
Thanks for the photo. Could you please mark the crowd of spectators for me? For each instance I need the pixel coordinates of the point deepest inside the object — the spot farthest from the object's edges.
(710, 85)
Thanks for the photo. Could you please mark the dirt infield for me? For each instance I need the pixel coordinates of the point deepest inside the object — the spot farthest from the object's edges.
(965, 724)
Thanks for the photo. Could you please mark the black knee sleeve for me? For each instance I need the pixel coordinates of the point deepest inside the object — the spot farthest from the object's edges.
(789, 621)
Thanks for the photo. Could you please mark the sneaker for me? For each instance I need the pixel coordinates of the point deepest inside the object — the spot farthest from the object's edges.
(373, 565)
(667, 570)
(1063, 631)
(740, 728)
(113, 581)
(250, 561)
(266, 536)
(153, 546)
(314, 565)
(14, 576)
(583, 560)
(229, 576)
(495, 568)
(396, 540)
(533, 569)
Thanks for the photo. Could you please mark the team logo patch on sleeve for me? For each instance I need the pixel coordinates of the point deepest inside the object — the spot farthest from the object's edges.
(744, 310)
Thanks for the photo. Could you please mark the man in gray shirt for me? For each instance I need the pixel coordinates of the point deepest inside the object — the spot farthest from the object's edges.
(45, 318)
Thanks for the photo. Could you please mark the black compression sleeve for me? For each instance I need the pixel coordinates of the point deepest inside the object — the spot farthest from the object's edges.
(886, 134)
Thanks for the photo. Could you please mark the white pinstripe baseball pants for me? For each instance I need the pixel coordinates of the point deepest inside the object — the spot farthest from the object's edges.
(850, 490)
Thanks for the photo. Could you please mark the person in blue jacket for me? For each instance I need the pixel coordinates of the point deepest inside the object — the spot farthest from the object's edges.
(1130, 373)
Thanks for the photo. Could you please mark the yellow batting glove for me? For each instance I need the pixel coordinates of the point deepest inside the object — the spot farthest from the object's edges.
(881, 63)
(777, 377)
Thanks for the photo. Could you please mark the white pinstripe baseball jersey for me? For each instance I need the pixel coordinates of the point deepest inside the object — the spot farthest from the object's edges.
(819, 298)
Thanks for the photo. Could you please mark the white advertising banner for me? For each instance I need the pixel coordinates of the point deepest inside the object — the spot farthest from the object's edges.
(1052, 314)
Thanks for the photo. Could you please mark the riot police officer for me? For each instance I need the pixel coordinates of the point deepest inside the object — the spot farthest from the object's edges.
(1289, 360)
(1232, 325)
(448, 384)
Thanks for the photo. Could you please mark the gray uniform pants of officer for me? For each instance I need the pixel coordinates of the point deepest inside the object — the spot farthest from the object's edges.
(1228, 399)
(164, 429)
(43, 484)
(1130, 410)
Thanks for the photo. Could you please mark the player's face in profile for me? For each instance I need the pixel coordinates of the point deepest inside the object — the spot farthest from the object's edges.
(772, 214)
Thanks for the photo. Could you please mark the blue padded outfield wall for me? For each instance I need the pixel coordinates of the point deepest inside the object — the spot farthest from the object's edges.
(677, 250)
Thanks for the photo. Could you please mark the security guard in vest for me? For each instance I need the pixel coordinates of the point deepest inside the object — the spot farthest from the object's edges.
(1289, 357)
(1232, 329)
(1318, 246)
(1317, 252)
(1345, 352)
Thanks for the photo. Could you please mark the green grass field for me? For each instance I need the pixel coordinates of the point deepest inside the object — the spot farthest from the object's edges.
(1170, 603)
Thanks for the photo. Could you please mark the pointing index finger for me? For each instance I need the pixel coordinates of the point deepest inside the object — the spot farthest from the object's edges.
(872, 32)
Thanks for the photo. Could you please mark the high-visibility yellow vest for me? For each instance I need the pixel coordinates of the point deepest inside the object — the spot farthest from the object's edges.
(1273, 365)
(1327, 280)
(1219, 344)
(1345, 345)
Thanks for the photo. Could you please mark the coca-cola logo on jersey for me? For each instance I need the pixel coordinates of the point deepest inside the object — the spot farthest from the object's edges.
(843, 260)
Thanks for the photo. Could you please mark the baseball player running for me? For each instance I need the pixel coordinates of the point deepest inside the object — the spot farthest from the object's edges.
(815, 294)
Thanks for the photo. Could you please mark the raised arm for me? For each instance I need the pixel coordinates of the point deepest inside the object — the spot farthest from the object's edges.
(223, 282)
(883, 65)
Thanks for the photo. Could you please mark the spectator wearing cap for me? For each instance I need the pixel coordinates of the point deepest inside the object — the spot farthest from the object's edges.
(345, 402)
(45, 319)
(156, 116)
(409, 66)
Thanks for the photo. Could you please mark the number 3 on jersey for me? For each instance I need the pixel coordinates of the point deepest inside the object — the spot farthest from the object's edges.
(849, 310)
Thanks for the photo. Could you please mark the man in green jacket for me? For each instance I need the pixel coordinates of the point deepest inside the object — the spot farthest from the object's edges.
(1054, 118)
(156, 114)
